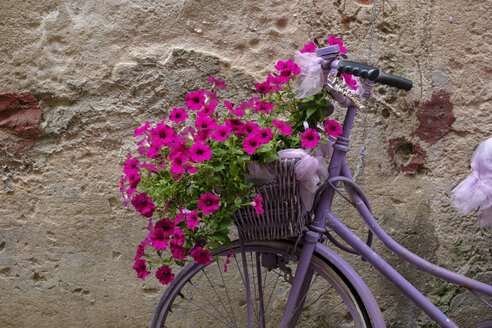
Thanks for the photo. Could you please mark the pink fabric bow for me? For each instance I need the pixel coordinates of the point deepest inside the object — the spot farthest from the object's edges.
(311, 79)
(310, 169)
(476, 189)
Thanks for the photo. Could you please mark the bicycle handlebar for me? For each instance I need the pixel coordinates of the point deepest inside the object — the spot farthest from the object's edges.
(372, 73)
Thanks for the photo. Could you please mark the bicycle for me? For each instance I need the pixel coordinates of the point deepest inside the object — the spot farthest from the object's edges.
(260, 275)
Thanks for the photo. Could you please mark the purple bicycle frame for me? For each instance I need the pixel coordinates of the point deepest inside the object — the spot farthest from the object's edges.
(340, 172)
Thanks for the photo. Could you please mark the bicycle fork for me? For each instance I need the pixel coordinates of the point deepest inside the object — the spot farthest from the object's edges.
(302, 280)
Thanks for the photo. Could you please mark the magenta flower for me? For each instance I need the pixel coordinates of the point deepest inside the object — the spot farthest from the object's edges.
(124, 179)
(310, 138)
(154, 150)
(143, 145)
(287, 68)
(178, 237)
(166, 225)
(282, 127)
(310, 47)
(210, 98)
(143, 205)
(140, 131)
(192, 220)
(332, 41)
(251, 143)
(163, 133)
(178, 252)
(263, 106)
(141, 267)
(203, 135)
(195, 100)
(258, 206)
(276, 82)
(159, 238)
(228, 260)
(208, 203)
(332, 128)
(208, 109)
(236, 125)
(200, 152)
(234, 111)
(221, 133)
(264, 135)
(131, 164)
(180, 217)
(133, 178)
(349, 80)
(165, 275)
(249, 128)
(178, 115)
(201, 256)
(216, 82)
(140, 252)
(205, 122)
(263, 88)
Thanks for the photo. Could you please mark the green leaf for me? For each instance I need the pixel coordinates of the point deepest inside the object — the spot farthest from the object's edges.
(310, 111)
(218, 168)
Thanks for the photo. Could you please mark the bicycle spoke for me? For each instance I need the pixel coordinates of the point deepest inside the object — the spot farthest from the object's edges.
(220, 299)
(208, 301)
(253, 303)
(183, 320)
(227, 294)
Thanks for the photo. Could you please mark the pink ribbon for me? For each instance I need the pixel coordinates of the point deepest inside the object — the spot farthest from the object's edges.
(476, 190)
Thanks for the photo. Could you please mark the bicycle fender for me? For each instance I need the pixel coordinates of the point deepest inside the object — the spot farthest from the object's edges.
(356, 281)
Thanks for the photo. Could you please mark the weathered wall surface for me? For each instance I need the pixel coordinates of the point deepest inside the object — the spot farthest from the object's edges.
(98, 69)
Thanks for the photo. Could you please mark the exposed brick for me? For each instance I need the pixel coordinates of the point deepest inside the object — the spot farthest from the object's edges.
(435, 117)
(405, 155)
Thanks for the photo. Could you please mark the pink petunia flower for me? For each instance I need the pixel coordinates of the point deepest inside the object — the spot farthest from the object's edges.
(350, 81)
(178, 115)
(205, 122)
(234, 111)
(178, 252)
(251, 143)
(236, 125)
(195, 100)
(228, 260)
(192, 220)
(250, 127)
(124, 179)
(159, 238)
(178, 237)
(141, 267)
(263, 107)
(208, 109)
(282, 127)
(200, 152)
(131, 164)
(310, 47)
(332, 41)
(287, 68)
(133, 178)
(164, 275)
(263, 88)
(201, 255)
(154, 150)
(258, 206)
(143, 145)
(332, 128)
(310, 138)
(221, 133)
(264, 135)
(208, 203)
(166, 225)
(140, 131)
(276, 82)
(163, 133)
(216, 82)
(143, 204)
(203, 135)
(210, 98)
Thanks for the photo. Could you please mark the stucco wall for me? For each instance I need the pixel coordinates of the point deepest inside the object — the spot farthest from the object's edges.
(99, 69)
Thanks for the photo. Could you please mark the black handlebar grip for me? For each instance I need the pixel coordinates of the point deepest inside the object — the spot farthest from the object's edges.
(394, 81)
(357, 69)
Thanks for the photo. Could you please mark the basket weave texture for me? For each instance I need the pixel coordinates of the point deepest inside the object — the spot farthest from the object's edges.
(284, 216)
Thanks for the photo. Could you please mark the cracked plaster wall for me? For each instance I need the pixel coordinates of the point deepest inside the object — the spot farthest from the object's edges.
(99, 69)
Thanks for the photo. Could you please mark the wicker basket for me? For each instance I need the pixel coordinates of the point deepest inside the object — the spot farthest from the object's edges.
(284, 216)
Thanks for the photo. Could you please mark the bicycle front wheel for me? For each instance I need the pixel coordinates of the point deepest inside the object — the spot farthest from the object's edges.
(206, 296)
